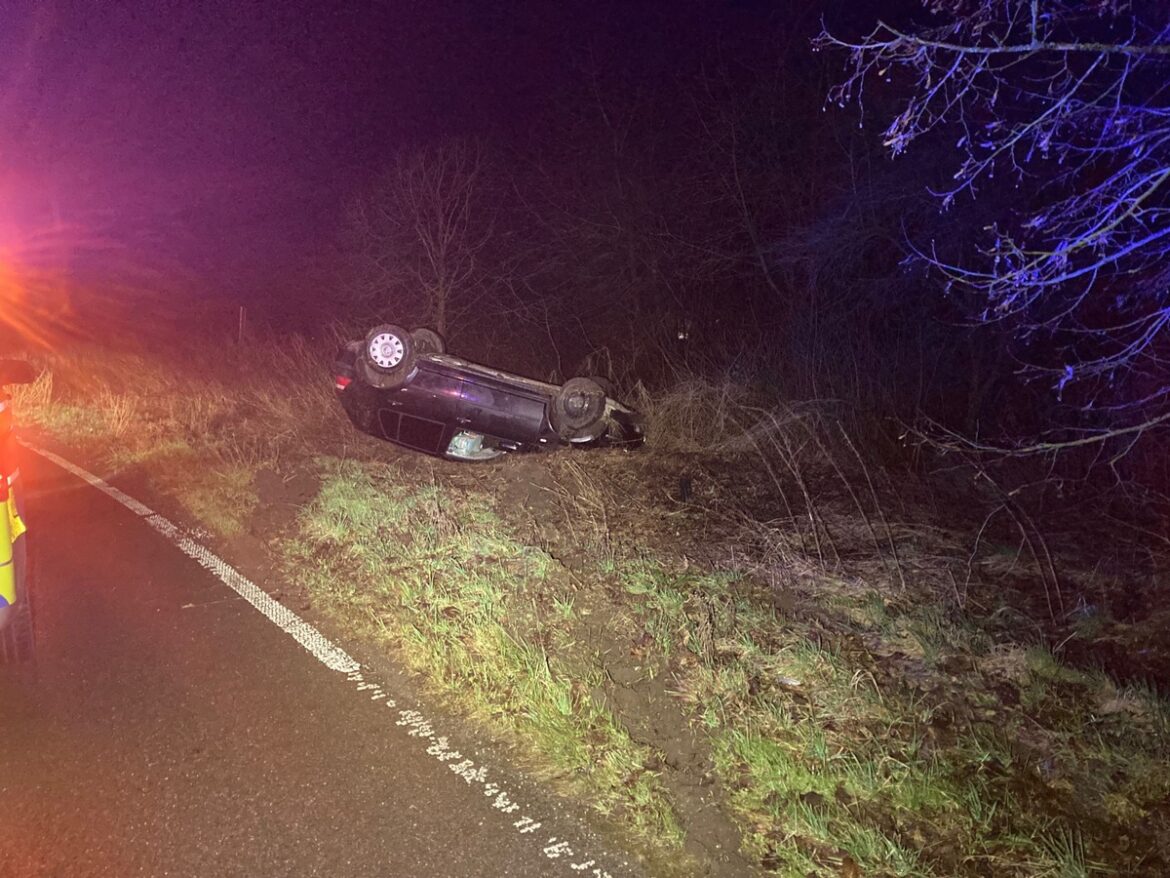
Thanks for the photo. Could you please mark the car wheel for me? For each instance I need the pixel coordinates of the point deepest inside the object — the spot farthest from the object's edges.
(427, 341)
(578, 410)
(387, 357)
(605, 384)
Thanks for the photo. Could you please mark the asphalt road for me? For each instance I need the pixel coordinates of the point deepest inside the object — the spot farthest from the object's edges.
(168, 729)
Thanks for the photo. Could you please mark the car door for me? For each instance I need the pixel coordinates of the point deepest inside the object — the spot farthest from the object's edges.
(497, 409)
(423, 414)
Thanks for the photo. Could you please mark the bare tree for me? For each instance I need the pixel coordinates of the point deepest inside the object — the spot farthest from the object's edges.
(1069, 103)
(418, 238)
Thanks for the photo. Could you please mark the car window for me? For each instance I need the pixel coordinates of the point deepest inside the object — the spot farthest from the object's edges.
(436, 384)
(420, 433)
(388, 421)
(478, 395)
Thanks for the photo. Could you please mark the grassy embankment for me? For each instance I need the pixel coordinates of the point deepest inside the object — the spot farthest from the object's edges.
(809, 661)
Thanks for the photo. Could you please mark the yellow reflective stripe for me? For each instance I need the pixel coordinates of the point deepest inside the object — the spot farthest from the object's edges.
(8, 583)
(7, 568)
(16, 526)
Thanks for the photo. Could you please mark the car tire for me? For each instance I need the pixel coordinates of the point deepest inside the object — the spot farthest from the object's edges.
(18, 639)
(387, 357)
(605, 384)
(578, 410)
(427, 341)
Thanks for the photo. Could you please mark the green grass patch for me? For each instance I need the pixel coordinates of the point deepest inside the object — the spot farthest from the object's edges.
(827, 766)
(483, 616)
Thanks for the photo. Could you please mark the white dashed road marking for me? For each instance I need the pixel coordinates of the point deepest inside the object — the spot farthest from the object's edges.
(337, 659)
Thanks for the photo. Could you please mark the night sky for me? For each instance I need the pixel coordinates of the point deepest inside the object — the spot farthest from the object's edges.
(221, 138)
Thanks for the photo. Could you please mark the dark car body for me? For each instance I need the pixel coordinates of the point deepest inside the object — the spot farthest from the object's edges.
(450, 407)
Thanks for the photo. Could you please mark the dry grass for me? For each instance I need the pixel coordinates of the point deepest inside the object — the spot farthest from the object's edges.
(694, 415)
(809, 490)
(35, 396)
(222, 411)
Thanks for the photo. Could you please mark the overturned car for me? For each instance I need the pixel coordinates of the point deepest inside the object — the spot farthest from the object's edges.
(403, 387)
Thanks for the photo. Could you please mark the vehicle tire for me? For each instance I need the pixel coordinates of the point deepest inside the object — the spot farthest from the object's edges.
(578, 410)
(427, 341)
(17, 640)
(605, 384)
(387, 357)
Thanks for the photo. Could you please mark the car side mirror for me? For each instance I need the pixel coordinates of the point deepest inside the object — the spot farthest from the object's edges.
(17, 372)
